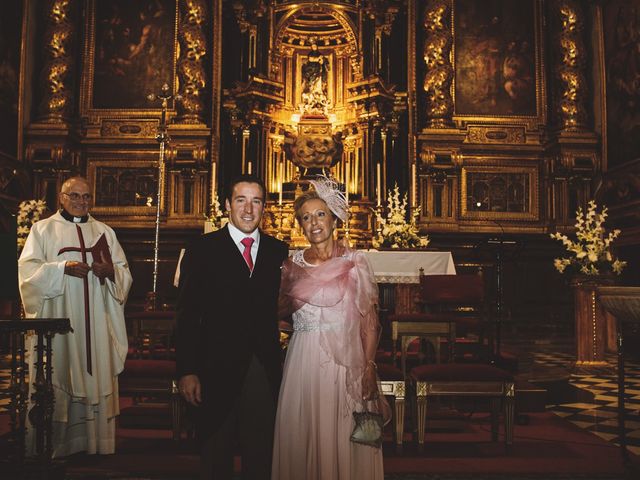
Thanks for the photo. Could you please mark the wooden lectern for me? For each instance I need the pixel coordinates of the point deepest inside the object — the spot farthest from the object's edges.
(624, 304)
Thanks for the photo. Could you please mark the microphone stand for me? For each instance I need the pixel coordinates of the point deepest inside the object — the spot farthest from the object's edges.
(499, 242)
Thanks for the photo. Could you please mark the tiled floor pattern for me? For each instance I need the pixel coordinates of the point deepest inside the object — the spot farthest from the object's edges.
(600, 414)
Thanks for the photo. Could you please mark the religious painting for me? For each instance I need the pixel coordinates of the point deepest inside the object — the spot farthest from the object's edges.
(124, 187)
(621, 28)
(10, 34)
(499, 192)
(132, 52)
(495, 58)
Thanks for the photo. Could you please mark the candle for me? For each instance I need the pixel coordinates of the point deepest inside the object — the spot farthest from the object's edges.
(379, 183)
(280, 182)
(413, 185)
(346, 183)
(249, 168)
(213, 180)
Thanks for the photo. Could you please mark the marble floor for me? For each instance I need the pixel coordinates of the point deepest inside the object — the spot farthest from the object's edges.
(591, 404)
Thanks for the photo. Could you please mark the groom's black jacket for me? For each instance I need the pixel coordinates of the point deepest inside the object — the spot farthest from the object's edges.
(225, 316)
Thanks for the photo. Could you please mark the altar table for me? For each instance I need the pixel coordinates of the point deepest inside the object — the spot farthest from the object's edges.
(404, 267)
(398, 274)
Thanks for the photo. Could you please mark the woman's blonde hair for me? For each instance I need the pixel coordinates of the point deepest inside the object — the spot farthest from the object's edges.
(304, 198)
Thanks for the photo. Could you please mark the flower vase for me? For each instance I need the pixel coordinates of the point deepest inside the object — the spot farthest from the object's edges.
(592, 323)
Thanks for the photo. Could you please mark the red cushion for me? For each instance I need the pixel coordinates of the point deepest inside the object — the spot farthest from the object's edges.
(460, 372)
(389, 372)
(149, 368)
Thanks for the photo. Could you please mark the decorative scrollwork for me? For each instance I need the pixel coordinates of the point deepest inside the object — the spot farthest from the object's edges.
(570, 71)
(190, 69)
(439, 72)
(58, 64)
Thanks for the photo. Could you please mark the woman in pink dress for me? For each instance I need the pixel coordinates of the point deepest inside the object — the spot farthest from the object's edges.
(329, 371)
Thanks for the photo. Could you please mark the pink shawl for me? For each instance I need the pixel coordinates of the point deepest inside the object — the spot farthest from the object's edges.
(344, 286)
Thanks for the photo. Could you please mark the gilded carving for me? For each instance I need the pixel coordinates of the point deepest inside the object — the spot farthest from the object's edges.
(356, 67)
(504, 135)
(499, 192)
(58, 39)
(190, 69)
(439, 72)
(315, 146)
(127, 128)
(570, 71)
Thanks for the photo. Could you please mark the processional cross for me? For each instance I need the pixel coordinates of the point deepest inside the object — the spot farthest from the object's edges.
(163, 138)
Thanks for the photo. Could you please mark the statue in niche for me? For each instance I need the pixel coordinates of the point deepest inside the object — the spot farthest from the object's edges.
(314, 83)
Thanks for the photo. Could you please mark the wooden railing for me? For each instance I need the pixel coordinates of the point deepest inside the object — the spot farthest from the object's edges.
(39, 417)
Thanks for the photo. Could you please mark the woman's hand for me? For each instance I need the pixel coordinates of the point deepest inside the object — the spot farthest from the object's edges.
(369, 383)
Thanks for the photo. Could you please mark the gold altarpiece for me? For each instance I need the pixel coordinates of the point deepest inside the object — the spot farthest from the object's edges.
(471, 124)
(483, 115)
(360, 106)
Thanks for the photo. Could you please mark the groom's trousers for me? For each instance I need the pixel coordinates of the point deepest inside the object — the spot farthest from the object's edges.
(248, 427)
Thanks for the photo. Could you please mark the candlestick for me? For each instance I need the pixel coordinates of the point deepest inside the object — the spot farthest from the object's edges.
(379, 183)
(378, 223)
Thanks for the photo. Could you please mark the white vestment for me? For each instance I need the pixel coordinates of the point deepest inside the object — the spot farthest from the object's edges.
(85, 405)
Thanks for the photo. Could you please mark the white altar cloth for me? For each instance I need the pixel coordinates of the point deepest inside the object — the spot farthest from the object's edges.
(404, 266)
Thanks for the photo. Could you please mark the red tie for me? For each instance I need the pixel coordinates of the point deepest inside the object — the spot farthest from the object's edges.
(247, 242)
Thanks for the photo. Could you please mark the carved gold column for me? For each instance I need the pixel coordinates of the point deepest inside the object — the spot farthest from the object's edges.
(356, 66)
(58, 62)
(439, 72)
(193, 48)
(288, 81)
(571, 66)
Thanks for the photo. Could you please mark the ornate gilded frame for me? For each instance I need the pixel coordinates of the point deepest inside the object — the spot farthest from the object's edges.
(87, 109)
(531, 122)
(124, 163)
(533, 206)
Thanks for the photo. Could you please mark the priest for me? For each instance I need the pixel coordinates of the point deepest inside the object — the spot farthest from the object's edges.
(73, 266)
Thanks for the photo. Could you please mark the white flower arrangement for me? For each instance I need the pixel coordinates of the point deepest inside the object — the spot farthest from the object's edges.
(216, 219)
(591, 252)
(29, 212)
(393, 230)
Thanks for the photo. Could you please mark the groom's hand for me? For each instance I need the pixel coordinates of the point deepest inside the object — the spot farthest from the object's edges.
(189, 386)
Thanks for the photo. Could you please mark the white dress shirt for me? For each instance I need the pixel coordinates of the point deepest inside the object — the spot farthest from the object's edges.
(237, 236)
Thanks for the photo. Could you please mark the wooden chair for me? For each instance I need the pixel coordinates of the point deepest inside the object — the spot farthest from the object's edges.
(466, 380)
(413, 326)
(453, 308)
(392, 384)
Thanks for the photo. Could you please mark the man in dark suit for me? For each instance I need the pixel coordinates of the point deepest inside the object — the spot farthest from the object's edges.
(228, 351)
